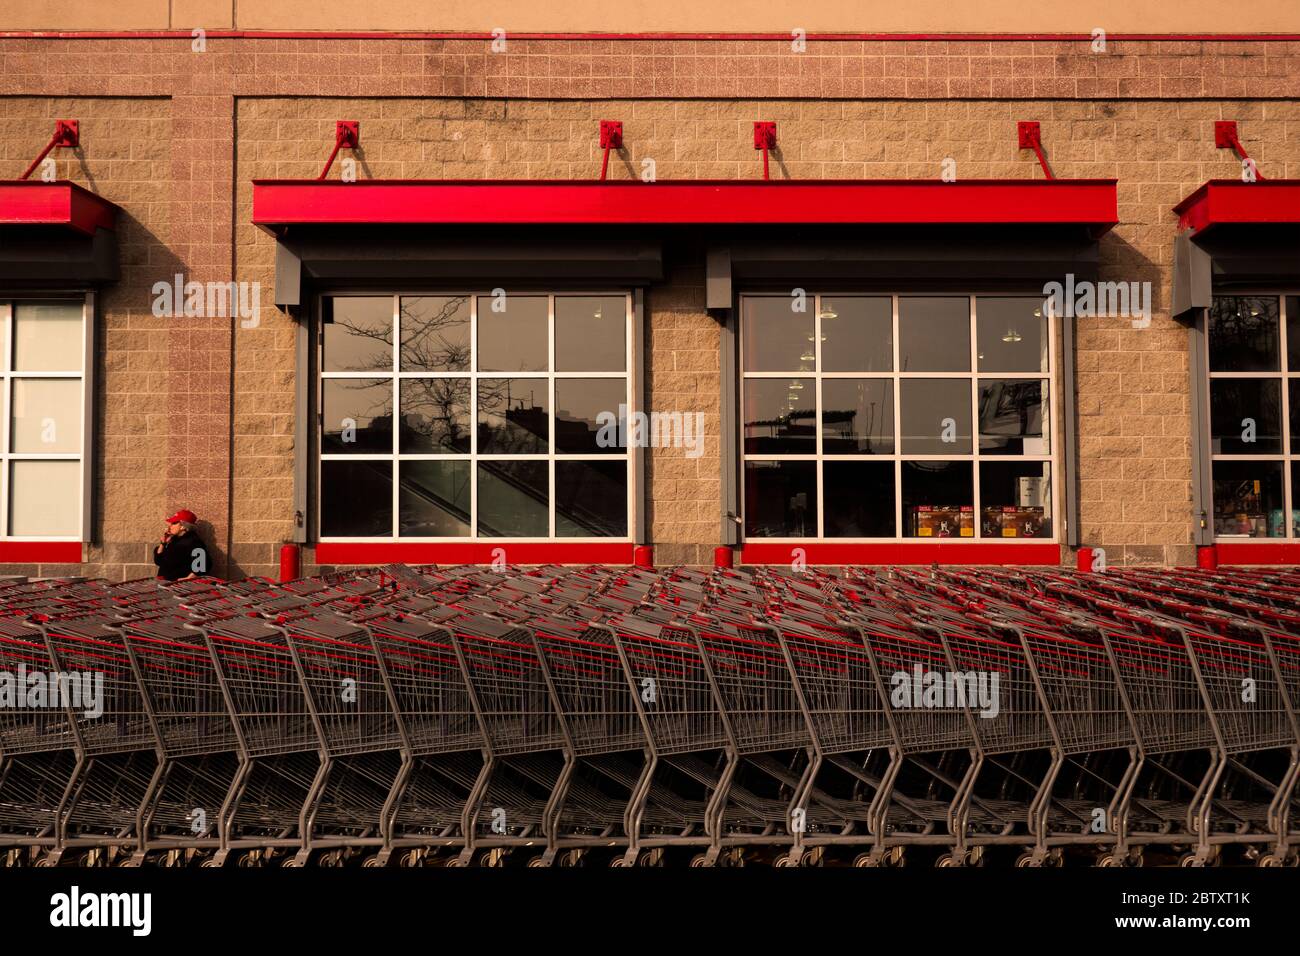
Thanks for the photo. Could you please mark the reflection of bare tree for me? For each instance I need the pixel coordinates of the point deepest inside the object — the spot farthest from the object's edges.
(435, 336)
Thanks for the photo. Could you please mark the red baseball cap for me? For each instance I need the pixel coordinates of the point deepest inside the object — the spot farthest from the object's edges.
(183, 515)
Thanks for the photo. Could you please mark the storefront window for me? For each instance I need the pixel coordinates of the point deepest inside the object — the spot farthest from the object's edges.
(42, 406)
(1254, 398)
(880, 417)
(474, 416)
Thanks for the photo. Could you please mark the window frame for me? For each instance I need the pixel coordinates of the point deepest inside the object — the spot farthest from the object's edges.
(86, 378)
(1051, 418)
(1288, 457)
(632, 456)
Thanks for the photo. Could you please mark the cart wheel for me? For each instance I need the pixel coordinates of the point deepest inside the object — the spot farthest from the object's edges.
(1106, 860)
(331, 860)
(1026, 860)
(1268, 860)
(784, 861)
(897, 856)
(455, 862)
(372, 862)
(700, 859)
(537, 861)
(618, 862)
(44, 862)
(947, 861)
(1190, 859)
(650, 858)
(291, 863)
(866, 859)
(210, 864)
(409, 859)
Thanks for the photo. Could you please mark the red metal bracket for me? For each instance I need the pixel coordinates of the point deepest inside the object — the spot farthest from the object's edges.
(1030, 136)
(611, 137)
(347, 135)
(765, 139)
(1225, 137)
(67, 135)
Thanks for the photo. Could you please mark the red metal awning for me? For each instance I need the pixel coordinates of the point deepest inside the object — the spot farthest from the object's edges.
(1090, 203)
(1222, 202)
(27, 203)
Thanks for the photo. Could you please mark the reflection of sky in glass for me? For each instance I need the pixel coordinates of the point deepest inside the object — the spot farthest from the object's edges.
(360, 339)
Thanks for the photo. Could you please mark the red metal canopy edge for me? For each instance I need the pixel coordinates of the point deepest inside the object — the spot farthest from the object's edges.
(1233, 202)
(281, 203)
(29, 203)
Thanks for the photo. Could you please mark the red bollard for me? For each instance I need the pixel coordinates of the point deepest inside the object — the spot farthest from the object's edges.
(722, 557)
(643, 556)
(290, 562)
(1083, 559)
(1207, 557)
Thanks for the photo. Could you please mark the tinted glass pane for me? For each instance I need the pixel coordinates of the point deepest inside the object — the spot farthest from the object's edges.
(781, 499)
(433, 500)
(47, 336)
(512, 333)
(512, 416)
(859, 499)
(512, 499)
(357, 415)
(356, 499)
(435, 415)
(1248, 499)
(777, 338)
(1243, 334)
(857, 334)
(46, 415)
(44, 498)
(591, 499)
(936, 416)
(591, 333)
(780, 416)
(358, 334)
(1293, 332)
(580, 404)
(933, 334)
(1011, 420)
(938, 499)
(435, 333)
(1246, 416)
(1293, 407)
(1011, 335)
(1295, 499)
(1015, 499)
(857, 416)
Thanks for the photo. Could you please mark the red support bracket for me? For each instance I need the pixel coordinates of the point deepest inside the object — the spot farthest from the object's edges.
(67, 135)
(1031, 137)
(611, 137)
(347, 135)
(765, 139)
(1225, 137)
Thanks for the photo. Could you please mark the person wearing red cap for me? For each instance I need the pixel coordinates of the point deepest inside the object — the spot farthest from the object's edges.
(181, 554)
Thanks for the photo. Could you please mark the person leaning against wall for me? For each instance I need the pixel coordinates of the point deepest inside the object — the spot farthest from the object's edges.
(181, 554)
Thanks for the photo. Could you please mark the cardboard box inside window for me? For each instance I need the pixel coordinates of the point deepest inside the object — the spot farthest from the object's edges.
(935, 521)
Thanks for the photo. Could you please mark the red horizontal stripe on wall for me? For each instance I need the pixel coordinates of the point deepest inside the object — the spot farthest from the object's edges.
(926, 552)
(40, 552)
(1262, 552)
(784, 37)
(475, 552)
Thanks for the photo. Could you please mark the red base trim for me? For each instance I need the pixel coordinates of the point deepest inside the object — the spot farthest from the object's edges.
(1258, 553)
(484, 552)
(40, 552)
(919, 553)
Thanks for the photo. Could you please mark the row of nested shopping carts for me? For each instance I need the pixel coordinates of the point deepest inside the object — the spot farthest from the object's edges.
(622, 716)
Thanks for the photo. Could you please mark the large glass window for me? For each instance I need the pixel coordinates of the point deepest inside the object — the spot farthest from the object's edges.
(1254, 415)
(474, 415)
(880, 417)
(42, 406)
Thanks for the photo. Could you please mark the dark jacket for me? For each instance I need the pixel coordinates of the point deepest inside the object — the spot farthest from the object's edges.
(178, 559)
